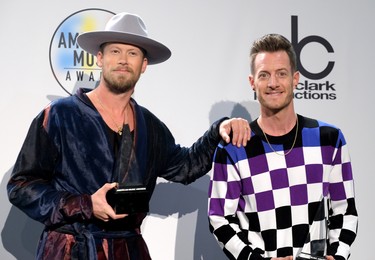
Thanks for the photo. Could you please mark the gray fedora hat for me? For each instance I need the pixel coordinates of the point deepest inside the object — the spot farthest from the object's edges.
(125, 28)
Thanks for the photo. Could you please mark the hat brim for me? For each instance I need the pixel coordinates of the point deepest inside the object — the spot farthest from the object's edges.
(156, 52)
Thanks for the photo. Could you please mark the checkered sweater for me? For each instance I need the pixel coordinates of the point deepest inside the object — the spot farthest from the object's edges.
(263, 204)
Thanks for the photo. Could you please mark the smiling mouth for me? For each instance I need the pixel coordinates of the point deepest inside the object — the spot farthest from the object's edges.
(274, 93)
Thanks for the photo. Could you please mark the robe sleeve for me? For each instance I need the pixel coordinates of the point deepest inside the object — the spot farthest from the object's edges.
(31, 188)
(186, 164)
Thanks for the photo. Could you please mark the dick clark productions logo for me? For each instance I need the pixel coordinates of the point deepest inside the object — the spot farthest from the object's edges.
(72, 67)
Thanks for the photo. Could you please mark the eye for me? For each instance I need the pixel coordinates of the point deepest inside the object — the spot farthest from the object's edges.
(263, 75)
(282, 74)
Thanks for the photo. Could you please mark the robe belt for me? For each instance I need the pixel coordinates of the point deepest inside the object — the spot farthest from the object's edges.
(84, 246)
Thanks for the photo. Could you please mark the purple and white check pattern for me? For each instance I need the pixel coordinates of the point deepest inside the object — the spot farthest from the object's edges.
(262, 204)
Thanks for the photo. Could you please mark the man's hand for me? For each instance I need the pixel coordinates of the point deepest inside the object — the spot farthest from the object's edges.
(329, 257)
(101, 209)
(240, 128)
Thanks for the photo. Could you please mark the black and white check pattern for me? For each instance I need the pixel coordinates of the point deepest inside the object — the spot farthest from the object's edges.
(262, 204)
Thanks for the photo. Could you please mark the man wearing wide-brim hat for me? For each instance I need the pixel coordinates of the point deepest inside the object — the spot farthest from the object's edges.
(98, 141)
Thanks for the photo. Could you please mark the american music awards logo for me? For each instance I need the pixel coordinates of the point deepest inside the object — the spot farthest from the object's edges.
(72, 67)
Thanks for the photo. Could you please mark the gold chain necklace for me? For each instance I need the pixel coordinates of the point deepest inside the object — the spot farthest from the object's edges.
(119, 128)
(276, 152)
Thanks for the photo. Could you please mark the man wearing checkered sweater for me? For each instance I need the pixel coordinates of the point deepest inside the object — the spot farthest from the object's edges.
(289, 194)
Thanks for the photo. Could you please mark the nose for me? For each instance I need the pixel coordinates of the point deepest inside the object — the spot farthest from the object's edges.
(123, 59)
(272, 81)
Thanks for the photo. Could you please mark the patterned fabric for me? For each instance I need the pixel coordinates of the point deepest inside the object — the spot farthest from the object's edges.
(263, 205)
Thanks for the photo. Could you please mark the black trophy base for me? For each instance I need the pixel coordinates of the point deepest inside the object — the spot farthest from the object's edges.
(129, 200)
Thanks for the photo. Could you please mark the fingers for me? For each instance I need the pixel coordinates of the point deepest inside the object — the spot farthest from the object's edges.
(224, 135)
(118, 216)
(224, 130)
(247, 135)
(239, 128)
(241, 131)
(111, 215)
(109, 212)
(108, 186)
(101, 209)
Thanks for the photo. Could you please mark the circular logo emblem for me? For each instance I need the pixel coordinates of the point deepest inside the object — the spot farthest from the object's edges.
(73, 67)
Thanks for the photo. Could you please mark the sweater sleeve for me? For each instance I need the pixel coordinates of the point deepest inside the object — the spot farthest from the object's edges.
(343, 217)
(224, 208)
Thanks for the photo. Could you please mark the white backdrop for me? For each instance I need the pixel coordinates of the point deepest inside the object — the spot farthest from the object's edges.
(206, 78)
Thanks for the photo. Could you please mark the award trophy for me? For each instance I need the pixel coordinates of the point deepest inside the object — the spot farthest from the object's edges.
(315, 246)
(131, 195)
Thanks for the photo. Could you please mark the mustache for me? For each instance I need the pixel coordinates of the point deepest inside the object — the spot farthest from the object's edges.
(123, 68)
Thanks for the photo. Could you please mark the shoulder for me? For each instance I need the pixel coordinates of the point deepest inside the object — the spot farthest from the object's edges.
(329, 134)
(62, 102)
(308, 122)
(78, 101)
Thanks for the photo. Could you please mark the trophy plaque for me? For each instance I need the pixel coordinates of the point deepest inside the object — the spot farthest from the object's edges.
(315, 247)
(130, 195)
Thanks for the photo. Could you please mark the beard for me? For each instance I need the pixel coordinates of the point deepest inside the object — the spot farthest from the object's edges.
(120, 84)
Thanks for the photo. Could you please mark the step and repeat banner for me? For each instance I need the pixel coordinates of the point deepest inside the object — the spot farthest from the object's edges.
(205, 79)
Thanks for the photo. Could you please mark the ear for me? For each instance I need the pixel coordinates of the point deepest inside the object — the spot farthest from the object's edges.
(295, 79)
(99, 58)
(251, 81)
(144, 65)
